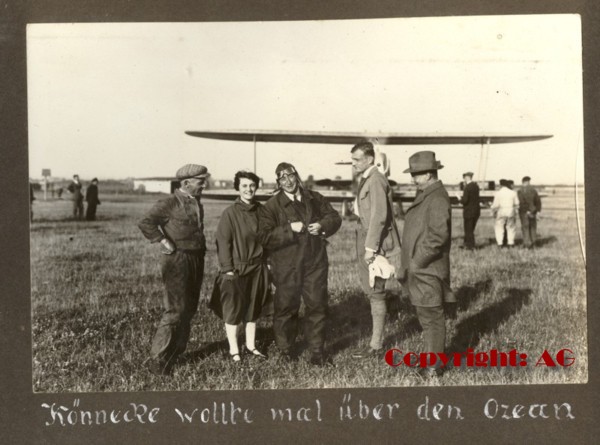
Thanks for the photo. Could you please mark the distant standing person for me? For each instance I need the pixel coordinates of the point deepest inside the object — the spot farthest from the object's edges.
(504, 208)
(177, 223)
(293, 225)
(31, 199)
(376, 235)
(77, 197)
(471, 209)
(91, 197)
(425, 258)
(530, 205)
(242, 288)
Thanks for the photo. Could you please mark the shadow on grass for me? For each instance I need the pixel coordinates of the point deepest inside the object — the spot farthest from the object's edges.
(350, 321)
(545, 241)
(264, 337)
(470, 331)
(466, 295)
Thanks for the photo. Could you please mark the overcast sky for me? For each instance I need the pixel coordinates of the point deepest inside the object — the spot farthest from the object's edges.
(114, 100)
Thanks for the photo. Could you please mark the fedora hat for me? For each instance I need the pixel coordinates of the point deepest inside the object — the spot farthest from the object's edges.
(423, 161)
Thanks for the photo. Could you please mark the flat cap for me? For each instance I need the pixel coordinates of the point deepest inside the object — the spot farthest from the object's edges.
(526, 179)
(470, 174)
(192, 171)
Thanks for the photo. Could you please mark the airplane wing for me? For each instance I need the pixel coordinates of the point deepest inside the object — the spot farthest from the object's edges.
(350, 138)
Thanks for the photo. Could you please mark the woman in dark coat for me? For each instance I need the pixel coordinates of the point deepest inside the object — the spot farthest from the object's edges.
(242, 288)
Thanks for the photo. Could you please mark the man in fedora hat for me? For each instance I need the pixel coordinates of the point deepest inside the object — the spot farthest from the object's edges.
(425, 253)
(176, 223)
(471, 209)
(530, 205)
(376, 235)
(504, 208)
(293, 227)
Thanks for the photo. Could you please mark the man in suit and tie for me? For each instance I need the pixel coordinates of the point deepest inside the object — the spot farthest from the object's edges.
(377, 234)
(293, 226)
(471, 209)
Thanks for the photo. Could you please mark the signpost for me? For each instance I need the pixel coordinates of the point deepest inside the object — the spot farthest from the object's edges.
(46, 174)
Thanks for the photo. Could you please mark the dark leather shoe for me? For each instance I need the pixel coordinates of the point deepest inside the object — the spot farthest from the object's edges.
(320, 360)
(254, 353)
(366, 352)
(286, 357)
(430, 373)
(160, 367)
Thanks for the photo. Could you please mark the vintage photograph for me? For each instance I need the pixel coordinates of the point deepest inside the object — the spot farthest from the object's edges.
(310, 204)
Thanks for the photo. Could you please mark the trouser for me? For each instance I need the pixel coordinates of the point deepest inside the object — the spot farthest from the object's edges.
(529, 228)
(510, 223)
(78, 209)
(182, 274)
(434, 327)
(308, 285)
(90, 212)
(469, 225)
(376, 294)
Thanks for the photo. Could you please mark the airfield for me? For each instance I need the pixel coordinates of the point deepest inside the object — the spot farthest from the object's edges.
(96, 292)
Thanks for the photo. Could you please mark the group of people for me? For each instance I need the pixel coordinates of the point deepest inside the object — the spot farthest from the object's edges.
(507, 204)
(284, 243)
(75, 188)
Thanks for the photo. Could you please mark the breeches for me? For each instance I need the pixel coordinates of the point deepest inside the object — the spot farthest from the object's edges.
(182, 275)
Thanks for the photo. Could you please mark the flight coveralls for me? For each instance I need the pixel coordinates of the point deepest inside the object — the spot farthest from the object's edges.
(180, 218)
(299, 265)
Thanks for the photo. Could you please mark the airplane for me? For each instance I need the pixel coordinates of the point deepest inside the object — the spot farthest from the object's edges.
(382, 162)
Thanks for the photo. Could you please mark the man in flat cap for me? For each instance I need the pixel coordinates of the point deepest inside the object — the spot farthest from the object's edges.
(376, 235)
(425, 253)
(293, 227)
(530, 205)
(471, 209)
(177, 224)
(504, 208)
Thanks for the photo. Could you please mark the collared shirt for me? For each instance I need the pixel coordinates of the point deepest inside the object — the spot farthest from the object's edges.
(294, 197)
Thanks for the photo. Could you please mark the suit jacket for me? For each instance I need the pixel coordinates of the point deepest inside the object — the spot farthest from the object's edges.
(426, 248)
(288, 250)
(470, 201)
(529, 200)
(378, 227)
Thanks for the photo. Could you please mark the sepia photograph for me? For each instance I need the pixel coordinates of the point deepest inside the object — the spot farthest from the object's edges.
(312, 204)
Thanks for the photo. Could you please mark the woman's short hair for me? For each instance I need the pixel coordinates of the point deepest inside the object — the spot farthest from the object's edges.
(245, 174)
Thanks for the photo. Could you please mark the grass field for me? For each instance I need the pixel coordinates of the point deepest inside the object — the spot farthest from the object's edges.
(96, 292)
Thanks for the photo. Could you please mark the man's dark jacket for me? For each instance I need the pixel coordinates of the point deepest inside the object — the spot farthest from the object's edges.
(287, 250)
(470, 201)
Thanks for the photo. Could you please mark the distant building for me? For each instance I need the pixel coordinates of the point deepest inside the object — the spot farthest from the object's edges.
(155, 185)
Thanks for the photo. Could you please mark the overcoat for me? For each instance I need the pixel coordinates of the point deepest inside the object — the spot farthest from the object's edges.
(91, 195)
(288, 250)
(378, 228)
(470, 201)
(425, 256)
